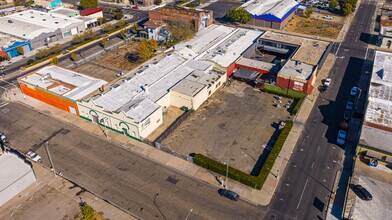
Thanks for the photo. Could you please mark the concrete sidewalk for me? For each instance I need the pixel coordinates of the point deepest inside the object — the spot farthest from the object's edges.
(257, 197)
(59, 198)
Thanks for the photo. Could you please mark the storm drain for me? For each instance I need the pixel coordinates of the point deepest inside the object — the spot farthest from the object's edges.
(65, 131)
(171, 179)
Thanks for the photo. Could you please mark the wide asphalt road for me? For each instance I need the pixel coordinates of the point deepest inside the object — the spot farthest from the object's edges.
(307, 183)
(137, 185)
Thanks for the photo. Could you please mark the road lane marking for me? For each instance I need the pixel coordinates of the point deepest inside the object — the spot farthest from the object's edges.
(312, 165)
(338, 48)
(302, 194)
(367, 48)
(318, 148)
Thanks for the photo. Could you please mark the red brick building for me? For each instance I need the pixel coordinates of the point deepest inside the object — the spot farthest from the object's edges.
(297, 76)
(199, 18)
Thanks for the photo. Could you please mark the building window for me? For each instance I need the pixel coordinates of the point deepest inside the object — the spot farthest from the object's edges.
(146, 124)
(158, 121)
(209, 93)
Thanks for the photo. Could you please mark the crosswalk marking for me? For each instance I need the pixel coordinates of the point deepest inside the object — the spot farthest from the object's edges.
(3, 104)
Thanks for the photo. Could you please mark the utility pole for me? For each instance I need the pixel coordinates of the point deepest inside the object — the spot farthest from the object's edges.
(50, 158)
(186, 218)
(227, 173)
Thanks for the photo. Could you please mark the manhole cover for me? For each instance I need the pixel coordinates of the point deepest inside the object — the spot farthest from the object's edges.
(172, 180)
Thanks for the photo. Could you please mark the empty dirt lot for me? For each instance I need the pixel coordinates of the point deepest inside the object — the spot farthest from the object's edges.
(106, 66)
(234, 124)
(316, 25)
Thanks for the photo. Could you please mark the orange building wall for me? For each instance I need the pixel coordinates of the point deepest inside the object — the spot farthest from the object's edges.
(48, 98)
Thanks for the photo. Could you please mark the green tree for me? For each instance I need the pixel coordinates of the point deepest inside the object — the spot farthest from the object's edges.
(121, 23)
(101, 20)
(20, 50)
(107, 27)
(88, 3)
(77, 39)
(30, 61)
(104, 42)
(152, 45)
(88, 35)
(333, 4)
(135, 28)
(118, 15)
(158, 2)
(347, 9)
(144, 50)
(54, 60)
(73, 56)
(309, 12)
(238, 15)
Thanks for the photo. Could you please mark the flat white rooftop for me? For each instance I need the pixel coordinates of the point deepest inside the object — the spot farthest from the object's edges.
(277, 8)
(296, 70)
(136, 96)
(219, 44)
(257, 64)
(31, 23)
(63, 82)
(379, 109)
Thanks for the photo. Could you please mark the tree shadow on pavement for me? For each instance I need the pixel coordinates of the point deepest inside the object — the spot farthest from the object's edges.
(263, 156)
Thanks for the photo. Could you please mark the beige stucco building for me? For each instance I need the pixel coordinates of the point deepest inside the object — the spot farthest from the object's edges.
(134, 106)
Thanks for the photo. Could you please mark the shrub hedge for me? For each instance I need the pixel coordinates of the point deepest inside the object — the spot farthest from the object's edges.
(269, 162)
(256, 182)
(221, 168)
(297, 96)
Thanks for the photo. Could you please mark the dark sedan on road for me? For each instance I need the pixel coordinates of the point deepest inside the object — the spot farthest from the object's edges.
(229, 194)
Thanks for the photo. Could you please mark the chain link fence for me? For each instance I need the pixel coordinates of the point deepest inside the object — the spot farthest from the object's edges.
(157, 143)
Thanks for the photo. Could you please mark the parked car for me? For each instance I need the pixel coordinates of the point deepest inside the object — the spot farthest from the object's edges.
(323, 89)
(354, 91)
(362, 193)
(327, 82)
(33, 156)
(350, 106)
(341, 137)
(120, 74)
(347, 115)
(229, 194)
(328, 17)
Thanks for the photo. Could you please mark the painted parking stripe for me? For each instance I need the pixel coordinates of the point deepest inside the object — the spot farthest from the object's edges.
(3, 104)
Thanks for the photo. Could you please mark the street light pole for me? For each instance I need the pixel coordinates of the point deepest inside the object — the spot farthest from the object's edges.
(50, 158)
(360, 92)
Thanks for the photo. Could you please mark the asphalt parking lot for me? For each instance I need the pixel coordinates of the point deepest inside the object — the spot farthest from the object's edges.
(234, 123)
(380, 207)
(220, 7)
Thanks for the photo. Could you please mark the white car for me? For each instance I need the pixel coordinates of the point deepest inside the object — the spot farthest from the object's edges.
(328, 17)
(327, 82)
(33, 156)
